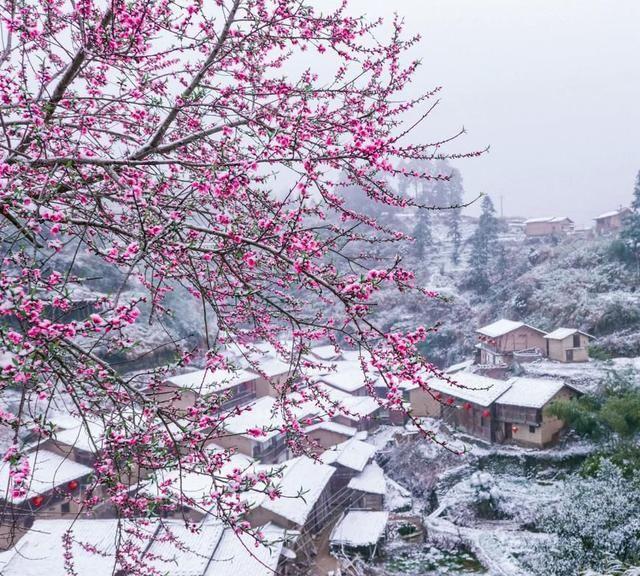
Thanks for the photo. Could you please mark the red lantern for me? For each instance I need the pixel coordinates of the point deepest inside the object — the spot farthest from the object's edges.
(486, 414)
(514, 428)
(467, 406)
(450, 401)
(37, 501)
(73, 484)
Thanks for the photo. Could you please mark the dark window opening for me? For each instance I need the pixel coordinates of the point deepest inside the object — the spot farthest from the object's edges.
(576, 340)
(65, 507)
(532, 429)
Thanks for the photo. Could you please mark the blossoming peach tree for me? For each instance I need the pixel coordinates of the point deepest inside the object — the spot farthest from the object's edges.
(174, 144)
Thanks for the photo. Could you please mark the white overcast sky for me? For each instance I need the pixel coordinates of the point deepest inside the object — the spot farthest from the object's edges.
(553, 86)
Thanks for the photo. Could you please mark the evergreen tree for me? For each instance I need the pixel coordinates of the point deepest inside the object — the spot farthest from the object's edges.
(630, 234)
(454, 234)
(483, 247)
(422, 232)
(456, 192)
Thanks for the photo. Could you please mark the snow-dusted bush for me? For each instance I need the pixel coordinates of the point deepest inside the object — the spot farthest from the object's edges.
(486, 494)
(597, 520)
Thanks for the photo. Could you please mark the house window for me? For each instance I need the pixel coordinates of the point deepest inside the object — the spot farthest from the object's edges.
(576, 340)
(65, 507)
(532, 429)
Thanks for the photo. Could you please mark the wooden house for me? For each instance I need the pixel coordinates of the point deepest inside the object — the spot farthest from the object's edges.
(500, 341)
(305, 502)
(551, 226)
(611, 222)
(465, 402)
(520, 412)
(568, 345)
(181, 392)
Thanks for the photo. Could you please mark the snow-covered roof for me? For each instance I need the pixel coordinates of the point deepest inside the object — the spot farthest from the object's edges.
(238, 555)
(359, 528)
(40, 551)
(353, 454)
(47, 471)
(502, 327)
(348, 376)
(179, 551)
(265, 414)
(548, 219)
(612, 213)
(273, 366)
(371, 480)
(172, 549)
(359, 407)
(87, 436)
(459, 366)
(333, 427)
(326, 352)
(194, 486)
(303, 481)
(471, 387)
(211, 381)
(562, 333)
(530, 392)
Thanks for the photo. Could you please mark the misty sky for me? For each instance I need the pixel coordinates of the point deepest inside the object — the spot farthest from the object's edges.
(553, 86)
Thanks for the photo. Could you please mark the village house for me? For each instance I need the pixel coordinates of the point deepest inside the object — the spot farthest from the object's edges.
(520, 412)
(551, 226)
(568, 345)
(466, 405)
(503, 341)
(611, 222)
(498, 410)
(181, 392)
(260, 430)
(53, 486)
(186, 493)
(301, 476)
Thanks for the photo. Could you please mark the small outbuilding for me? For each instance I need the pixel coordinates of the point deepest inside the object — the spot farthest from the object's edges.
(360, 531)
(568, 345)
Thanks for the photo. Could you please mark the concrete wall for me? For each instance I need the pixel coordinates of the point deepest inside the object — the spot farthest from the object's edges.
(170, 395)
(327, 438)
(271, 386)
(557, 349)
(242, 444)
(423, 404)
